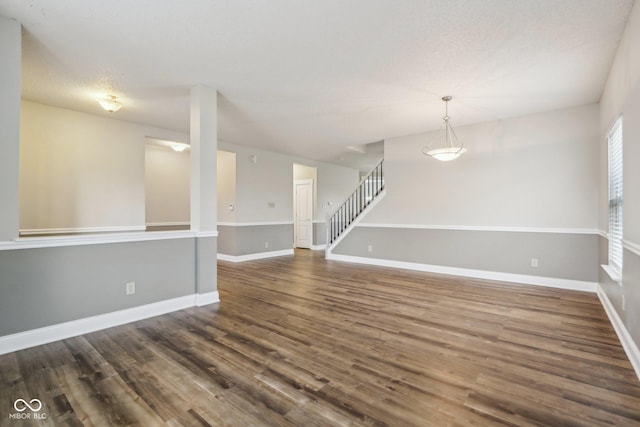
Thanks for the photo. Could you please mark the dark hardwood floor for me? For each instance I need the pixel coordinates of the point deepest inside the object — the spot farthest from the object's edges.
(299, 341)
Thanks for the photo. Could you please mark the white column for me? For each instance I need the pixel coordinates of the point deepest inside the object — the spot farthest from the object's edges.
(11, 60)
(204, 146)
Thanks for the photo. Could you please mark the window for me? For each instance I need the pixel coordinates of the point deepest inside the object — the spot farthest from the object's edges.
(615, 198)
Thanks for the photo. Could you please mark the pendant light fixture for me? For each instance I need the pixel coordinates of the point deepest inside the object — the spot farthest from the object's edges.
(451, 148)
(110, 103)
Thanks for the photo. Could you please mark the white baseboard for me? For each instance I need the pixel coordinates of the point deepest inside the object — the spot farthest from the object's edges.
(251, 257)
(208, 298)
(34, 337)
(630, 347)
(318, 247)
(552, 282)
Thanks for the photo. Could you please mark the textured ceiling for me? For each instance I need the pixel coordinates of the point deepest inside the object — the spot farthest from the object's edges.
(312, 77)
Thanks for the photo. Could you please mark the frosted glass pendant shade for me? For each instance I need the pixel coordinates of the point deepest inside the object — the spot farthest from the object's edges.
(450, 148)
(446, 154)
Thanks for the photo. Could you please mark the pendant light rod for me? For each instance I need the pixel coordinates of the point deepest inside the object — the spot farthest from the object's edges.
(452, 147)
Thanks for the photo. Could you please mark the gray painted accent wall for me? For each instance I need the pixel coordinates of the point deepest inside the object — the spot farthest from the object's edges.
(631, 291)
(227, 241)
(560, 255)
(611, 288)
(46, 286)
(319, 233)
(206, 264)
(250, 239)
(628, 291)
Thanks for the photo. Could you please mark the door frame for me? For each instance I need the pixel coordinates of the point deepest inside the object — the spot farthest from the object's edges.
(295, 211)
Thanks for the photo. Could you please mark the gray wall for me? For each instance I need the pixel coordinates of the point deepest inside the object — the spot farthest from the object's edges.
(45, 286)
(250, 239)
(264, 194)
(206, 264)
(270, 179)
(631, 294)
(264, 189)
(560, 255)
(319, 233)
(624, 296)
(611, 288)
(622, 96)
(527, 188)
(227, 240)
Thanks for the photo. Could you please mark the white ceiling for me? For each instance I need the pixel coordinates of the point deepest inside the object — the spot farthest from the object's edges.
(312, 77)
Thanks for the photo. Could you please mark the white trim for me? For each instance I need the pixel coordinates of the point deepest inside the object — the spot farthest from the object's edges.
(319, 221)
(613, 273)
(318, 247)
(603, 233)
(34, 337)
(95, 239)
(577, 285)
(253, 224)
(251, 257)
(630, 347)
(168, 224)
(208, 298)
(210, 233)
(78, 230)
(486, 228)
(631, 247)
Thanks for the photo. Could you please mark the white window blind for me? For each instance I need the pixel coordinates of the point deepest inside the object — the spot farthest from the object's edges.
(615, 196)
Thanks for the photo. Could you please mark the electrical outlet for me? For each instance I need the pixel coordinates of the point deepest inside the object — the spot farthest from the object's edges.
(369, 248)
(534, 262)
(266, 245)
(130, 288)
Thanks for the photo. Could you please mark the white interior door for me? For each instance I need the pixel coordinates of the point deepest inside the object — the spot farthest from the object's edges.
(304, 213)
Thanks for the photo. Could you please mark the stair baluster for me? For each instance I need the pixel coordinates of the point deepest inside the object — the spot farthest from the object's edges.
(368, 189)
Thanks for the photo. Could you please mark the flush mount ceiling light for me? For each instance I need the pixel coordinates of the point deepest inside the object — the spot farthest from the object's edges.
(451, 148)
(179, 147)
(110, 103)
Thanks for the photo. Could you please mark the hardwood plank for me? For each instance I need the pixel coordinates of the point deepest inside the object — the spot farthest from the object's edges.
(299, 340)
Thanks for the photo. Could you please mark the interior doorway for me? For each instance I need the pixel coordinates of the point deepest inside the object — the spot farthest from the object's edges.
(303, 213)
(167, 174)
(304, 195)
